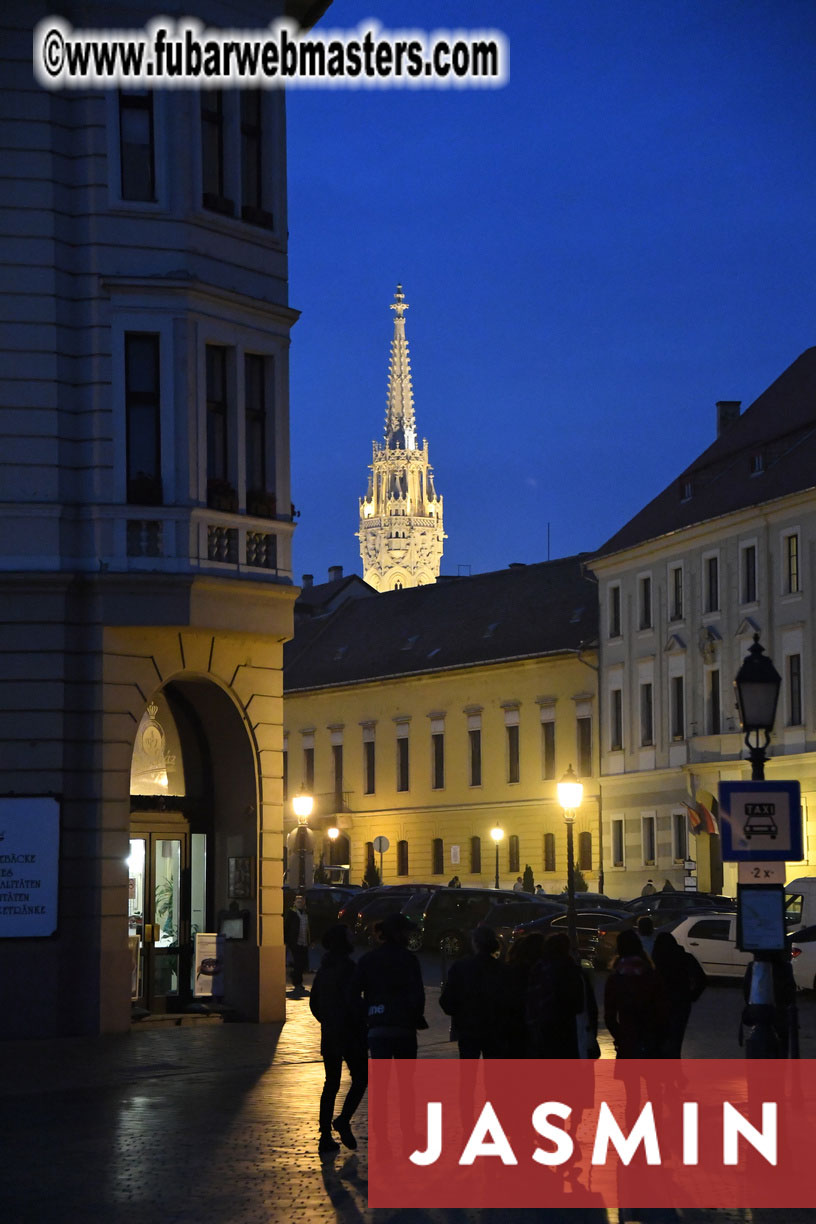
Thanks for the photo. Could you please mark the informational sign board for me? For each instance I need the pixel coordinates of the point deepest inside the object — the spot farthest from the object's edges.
(761, 821)
(456, 856)
(29, 866)
(760, 873)
(209, 965)
(760, 917)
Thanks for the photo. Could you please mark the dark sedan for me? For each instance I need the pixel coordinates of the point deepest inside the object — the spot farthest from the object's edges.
(589, 922)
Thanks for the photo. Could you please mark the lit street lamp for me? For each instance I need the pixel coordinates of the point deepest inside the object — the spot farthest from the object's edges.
(570, 794)
(302, 805)
(497, 834)
(757, 687)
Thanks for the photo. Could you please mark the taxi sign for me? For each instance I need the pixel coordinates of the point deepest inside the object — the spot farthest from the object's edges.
(761, 821)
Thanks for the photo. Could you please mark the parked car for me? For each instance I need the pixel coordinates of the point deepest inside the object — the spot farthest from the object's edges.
(507, 915)
(588, 924)
(669, 907)
(711, 938)
(446, 917)
(323, 904)
(380, 907)
(364, 897)
(803, 957)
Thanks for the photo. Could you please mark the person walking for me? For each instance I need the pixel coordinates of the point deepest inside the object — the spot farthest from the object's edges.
(297, 937)
(646, 932)
(342, 1037)
(555, 996)
(519, 885)
(389, 980)
(648, 889)
(634, 1009)
(682, 981)
(523, 954)
(474, 996)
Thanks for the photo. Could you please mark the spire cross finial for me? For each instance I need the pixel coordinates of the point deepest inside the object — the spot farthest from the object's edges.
(399, 303)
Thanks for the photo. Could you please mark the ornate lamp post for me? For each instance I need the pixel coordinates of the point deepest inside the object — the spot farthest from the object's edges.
(757, 687)
(333, 833)
(570, 794)
(497, 834)
(302, 805)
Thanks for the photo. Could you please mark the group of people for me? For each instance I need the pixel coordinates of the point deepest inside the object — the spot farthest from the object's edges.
(538, 1003)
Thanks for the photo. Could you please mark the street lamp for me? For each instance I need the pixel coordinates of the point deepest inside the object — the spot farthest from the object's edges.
(570, 794)
(302, 805)
(757, 687)
(497, 834)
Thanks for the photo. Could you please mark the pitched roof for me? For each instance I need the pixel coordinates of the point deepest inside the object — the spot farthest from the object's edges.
(779, 427)
(322, 597)
(523, 612)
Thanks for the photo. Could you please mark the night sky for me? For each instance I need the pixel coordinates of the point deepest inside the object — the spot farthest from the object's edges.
(593, 255)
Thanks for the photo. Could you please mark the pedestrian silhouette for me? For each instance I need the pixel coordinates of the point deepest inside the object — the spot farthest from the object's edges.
(389, 980)
(297, 937)
(475, 995)
(524, 953)
(555, 996)
(342, 1037)
(682, 981)
(634, 1009)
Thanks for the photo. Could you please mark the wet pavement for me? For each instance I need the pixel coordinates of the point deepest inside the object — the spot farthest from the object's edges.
(216, 1124)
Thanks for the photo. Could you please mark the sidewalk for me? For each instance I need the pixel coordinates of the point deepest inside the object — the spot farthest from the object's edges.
(216, 1124)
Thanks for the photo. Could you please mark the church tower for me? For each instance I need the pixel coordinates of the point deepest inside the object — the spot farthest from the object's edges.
(401, 514)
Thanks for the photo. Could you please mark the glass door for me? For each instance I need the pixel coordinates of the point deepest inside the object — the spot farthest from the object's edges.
(159, 916)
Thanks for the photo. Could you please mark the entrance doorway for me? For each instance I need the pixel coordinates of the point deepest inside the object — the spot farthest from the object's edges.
(163, 890)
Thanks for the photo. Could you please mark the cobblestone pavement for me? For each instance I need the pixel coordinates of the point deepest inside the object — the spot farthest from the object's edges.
(216, 1124)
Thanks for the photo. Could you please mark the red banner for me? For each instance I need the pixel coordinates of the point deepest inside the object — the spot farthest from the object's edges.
(562, 1133)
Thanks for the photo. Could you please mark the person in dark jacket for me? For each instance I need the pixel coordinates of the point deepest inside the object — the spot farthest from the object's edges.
(342, 1037)
(634, 1009)
(389, 980)
(297, 937)
(683, 981)
(523, 954)
(474, 996)
(555, 996)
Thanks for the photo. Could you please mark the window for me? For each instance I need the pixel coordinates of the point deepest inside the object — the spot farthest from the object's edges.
(676, 593)
(794, 690)
(617, 843)
(308, 769)
(512, 752)
(369, 775)
(583, 727)
(255, 421)
(475, 855)
(680, 836)
(402, 763)
(749, 574)
(714, 702)
(251, 155)
(645, 602)
(475, 744)
(648, 834)
(548, 749)
(217, 414)
(437, 857)
(549, 852)
(212, 151)
(678, 708)
(585, 851)
(137, 156)
(438, 760)
(757, 463)
(711, 928)
(143, 419)
(712, 584)
(513, 857)
(792, 584)
(616, 720)
(337, 763)
(646, 716)
(614, 611)
(402, 858)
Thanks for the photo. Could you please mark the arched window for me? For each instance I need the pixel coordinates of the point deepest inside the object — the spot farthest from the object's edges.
(437, 857)
(476, 856)
(549, 852)
(513, 853)
(585, 851)
(402, 858)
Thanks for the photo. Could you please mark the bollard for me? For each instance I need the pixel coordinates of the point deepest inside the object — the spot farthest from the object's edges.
(759, 1013)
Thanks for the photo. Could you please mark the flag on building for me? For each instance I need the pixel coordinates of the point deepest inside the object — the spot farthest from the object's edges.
(694, 818)
(704, 814)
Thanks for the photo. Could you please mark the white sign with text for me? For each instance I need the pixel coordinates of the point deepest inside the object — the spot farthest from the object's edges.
(29, 866)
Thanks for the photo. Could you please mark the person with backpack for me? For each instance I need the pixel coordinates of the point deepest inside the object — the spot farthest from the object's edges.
(634, 1006)
(389, 980)
(682, 981)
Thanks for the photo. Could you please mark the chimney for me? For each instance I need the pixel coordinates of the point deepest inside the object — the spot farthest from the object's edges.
(307, 580)
(727, 413)
(335, 572)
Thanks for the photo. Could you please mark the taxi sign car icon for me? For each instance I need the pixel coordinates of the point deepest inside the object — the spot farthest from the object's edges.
(759, 820)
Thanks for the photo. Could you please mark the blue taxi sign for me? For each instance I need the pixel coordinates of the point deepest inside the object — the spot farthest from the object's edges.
(761, 821)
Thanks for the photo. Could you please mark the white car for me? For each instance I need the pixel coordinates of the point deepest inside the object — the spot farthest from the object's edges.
(712, 940)
(803, 957)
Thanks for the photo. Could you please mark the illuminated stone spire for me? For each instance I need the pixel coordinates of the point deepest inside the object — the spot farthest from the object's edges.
(400, 425)
(401, 535)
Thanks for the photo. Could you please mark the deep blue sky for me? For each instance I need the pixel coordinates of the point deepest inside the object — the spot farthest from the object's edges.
(593, 255)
